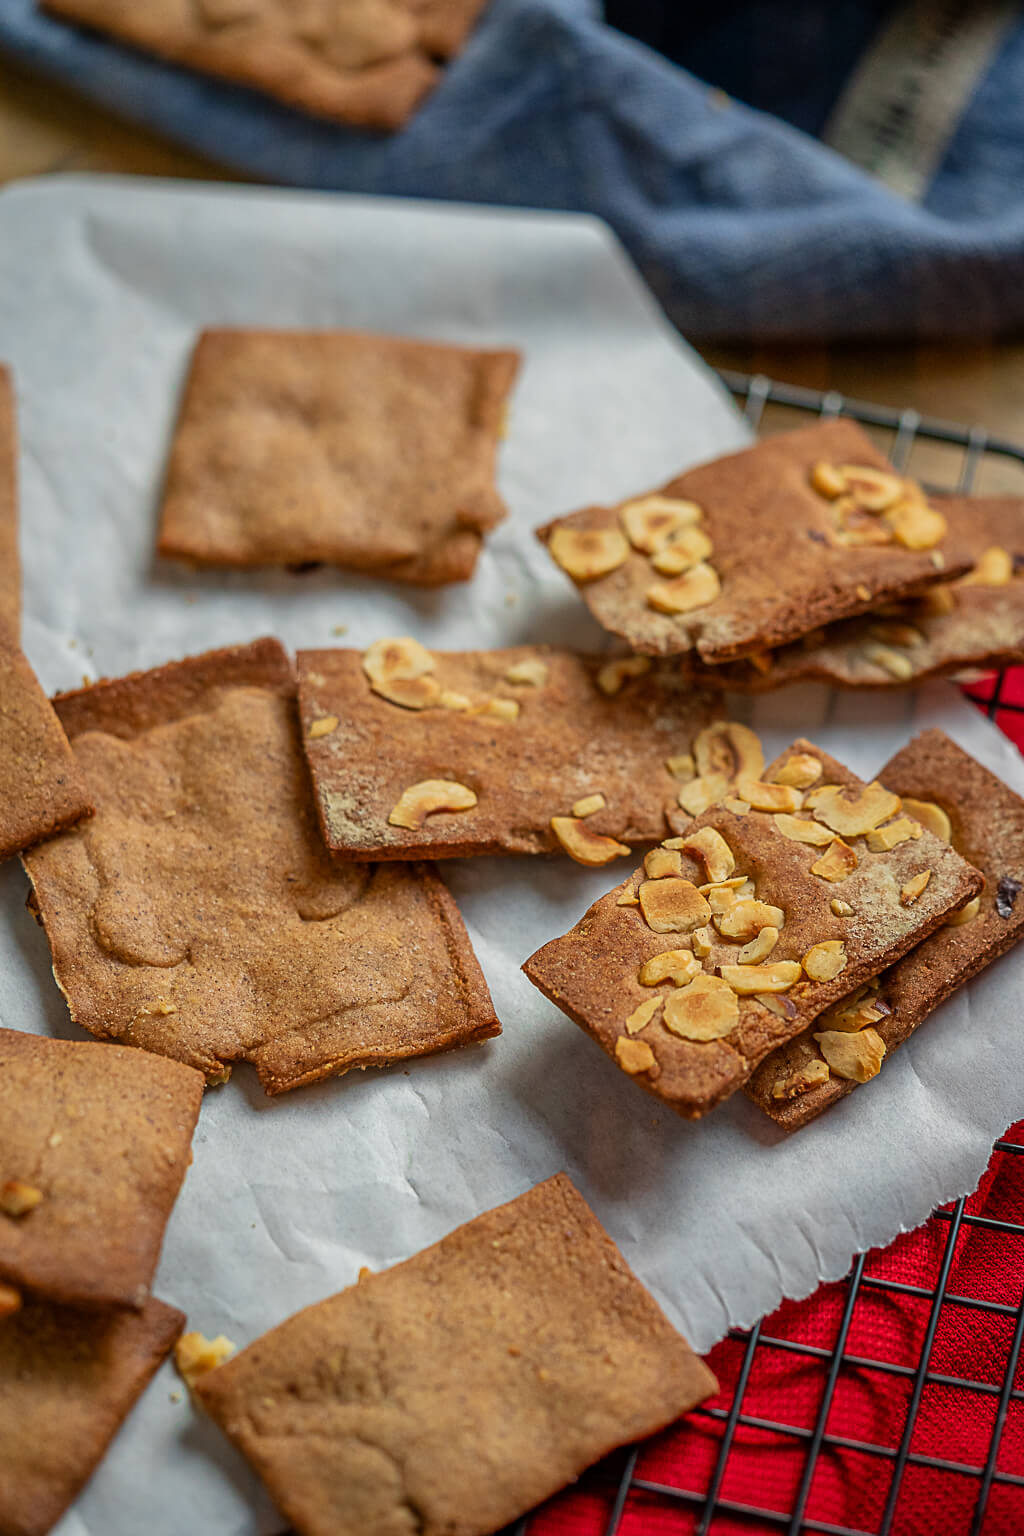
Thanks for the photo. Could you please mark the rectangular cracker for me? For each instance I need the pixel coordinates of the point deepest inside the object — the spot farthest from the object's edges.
(776, 551)
(104, 1135)
(200, 916)
(457, 1390)
(68, 1380)
(371, 452)
(592, 973)
(570, 739)
(368, 64)
(987, 822)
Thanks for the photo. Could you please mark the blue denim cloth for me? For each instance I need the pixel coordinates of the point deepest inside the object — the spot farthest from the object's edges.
(744, 224)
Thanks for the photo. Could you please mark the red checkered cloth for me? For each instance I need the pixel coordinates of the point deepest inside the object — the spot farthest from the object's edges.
(967, 1434)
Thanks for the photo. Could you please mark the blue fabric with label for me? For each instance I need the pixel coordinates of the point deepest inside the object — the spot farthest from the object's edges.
(742, 218)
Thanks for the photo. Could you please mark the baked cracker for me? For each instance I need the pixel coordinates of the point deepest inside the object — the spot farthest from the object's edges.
(457, 1390)
(199, 915)
(371, 452)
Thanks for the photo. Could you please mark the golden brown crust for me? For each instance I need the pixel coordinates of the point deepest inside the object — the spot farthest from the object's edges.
(452, 1393)
(67, 1382)
(370, 63)
(988, 829)
(372, 452)
(781, 572)
(200, 916)
(104, 1134)
(569, 740)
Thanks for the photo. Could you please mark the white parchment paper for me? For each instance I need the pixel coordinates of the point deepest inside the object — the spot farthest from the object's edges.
(103, 285)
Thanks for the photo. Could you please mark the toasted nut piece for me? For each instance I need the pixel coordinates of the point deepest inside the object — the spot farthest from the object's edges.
(938, 559)
(892, 632)
(651, 521)
(858, 1057)
(852, 1013)
(733, 885)
(698, 587)
(874, 489)
(642, 1015)
(678, 965)
(840, 908)
(531, 671)
(802, 831)
(323, 727)
(10, 1301)
(762, 661)
(661, 862)
(811, 1075)
(701, 793)
(857, 528)
(682, 767)
(685, 550)
(672, 906)
(585, 846)
(838, 861)
(937, 601)
(629, 897)
(825, 960)
(965, 915)
(713, 850)
(931, 816)
(499, 709)
(195, 1355)
(814, 795)
(915, 524)
(863, 592)
(769, 797)
(730, 749)
(399, 670)
(701, 941)
(828, 479)
(894, 662)
(993, 568)
(758, 949)
(853, 818)
(707, 1009)
(451, 700)
(721, 897)
(589, 806)
(738, 807)
(799, 771)
(783, 1007)
(914, 887)
(745, 919)
(748, 979)
(634, 1056)
(421, 800)
(18, 1198)
(613, 674)
(902, 830)
(587, 553)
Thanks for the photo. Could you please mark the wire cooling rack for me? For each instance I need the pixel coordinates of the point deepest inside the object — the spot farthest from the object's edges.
(622, 1497)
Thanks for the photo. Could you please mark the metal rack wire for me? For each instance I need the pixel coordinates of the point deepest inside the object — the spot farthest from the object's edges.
(622, 1488)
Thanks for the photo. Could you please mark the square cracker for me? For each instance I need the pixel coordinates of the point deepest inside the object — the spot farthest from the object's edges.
(569, 740)
(592, 973)
(200, 916)
(987, 823)
(104, 1134)
(372, 452)
(365, 62)
(774, 547)
(457, 1390)
(975, 622)
(68, 1380)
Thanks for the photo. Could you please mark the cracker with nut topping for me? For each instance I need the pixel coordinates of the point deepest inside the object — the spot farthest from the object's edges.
(946, 791)
(457, 1390)
(976, 621)
(366, 62)
(798, 885)
(199, 915)
(68, 1380)
(756, 549)
(439, 754)
(94, 1144)
(372, 452)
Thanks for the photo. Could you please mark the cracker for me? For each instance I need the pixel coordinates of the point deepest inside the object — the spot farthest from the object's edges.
(987, 822)
(776, 552)
(917, 638)
(68, 1380)
(371, 452)
(568, 740)
(593, 972)
(103, 1134)
(457, 1390)
(365, 62)
(200, 916)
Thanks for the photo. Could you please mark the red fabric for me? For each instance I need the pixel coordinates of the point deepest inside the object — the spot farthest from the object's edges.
(954, 1422)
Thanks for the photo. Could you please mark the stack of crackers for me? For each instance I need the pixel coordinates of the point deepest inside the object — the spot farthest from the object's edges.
(234, 859)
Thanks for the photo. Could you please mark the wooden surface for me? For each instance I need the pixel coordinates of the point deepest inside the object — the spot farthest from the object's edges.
(44, 128)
